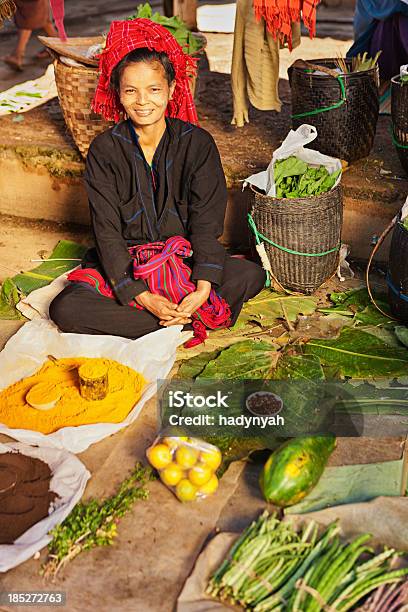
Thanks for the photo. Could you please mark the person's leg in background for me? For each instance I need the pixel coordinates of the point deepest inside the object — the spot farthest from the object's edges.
(15, 60)
(50, 30)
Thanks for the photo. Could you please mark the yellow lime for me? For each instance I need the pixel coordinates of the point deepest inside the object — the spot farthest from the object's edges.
(209, 487)
(212, 458)
(159, 456)
(186, 491)
(171, 475)
(186, 456)
(200, 474)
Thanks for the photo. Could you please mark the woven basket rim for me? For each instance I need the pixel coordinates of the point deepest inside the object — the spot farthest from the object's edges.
(285, 201)
(85, 69)
(75, 47)
(330, 60)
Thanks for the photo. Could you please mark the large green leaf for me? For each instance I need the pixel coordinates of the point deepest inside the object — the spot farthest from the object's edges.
(269, 306)
(245, 360)
(191, 368)
(371, 316)
(357, 303)
(402, 334)
(8, 299)
(222, 338)
(360, 355)
(298, 367)
(46, 272)
(386, 334)
(382, 397)
(350, 484)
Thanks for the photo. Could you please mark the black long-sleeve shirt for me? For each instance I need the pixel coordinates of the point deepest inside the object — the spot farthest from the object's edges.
(186, 196)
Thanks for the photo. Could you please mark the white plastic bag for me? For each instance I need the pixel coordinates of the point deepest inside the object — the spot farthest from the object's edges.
(37, 303)
(404, 210)
(69, 478)
(152, 355)
(294, 144)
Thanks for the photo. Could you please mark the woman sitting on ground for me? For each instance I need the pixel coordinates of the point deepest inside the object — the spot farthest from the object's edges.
(157, 198)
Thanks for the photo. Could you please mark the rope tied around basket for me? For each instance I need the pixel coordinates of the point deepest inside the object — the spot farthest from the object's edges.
(396, 142)
(329, 72)
(266, 264)
(258, 235)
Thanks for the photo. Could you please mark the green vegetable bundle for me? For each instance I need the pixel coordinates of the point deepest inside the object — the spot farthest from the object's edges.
(174, 25)
(272, 567)
(294, 178)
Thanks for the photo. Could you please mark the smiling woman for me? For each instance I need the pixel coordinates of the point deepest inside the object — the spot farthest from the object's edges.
(157, 197)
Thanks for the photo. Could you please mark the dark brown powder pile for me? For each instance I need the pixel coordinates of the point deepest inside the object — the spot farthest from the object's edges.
(25, 494)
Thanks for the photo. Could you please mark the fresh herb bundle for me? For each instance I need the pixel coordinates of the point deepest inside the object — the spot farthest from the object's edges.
(94, 523)
(272, 567)
(294, 178)
(174, 25)
(359, 63)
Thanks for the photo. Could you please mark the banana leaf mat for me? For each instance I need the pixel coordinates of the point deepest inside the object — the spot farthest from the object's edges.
(65, 256)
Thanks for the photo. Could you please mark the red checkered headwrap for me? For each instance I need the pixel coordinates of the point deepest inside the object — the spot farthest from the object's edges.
(124, 37)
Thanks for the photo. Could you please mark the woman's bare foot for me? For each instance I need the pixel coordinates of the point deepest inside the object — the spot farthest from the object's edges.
(15, 62)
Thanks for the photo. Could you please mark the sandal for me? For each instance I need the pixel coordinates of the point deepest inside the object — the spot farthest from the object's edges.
(13, 63)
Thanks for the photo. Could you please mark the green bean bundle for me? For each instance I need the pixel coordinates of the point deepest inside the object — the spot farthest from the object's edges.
(272, 567)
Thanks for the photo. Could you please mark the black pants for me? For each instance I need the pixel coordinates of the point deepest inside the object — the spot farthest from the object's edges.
(80, 309)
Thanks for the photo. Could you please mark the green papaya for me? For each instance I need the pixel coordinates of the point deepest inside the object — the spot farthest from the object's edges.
(295, 468)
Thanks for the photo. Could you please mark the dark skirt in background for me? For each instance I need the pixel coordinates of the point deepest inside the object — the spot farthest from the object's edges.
(32, 14)
(391, 36)
(382, 26)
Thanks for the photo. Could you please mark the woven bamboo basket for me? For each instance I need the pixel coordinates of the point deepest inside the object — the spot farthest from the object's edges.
(399, 115)
(76, 88)
(348, 131)
(397, 278)
(306, 225)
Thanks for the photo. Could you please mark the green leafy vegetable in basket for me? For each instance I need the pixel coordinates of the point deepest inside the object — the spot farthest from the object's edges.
(174, 25)
(294, 178)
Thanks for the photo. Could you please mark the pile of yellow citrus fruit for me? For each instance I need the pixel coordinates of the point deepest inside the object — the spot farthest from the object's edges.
(186, 465)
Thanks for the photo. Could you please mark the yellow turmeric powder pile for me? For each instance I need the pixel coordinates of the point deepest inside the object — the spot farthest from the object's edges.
(124, 384)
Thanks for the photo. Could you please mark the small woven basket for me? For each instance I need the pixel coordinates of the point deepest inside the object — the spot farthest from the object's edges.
(399, 115)
(76, 88)
(397, 278)
(348, 131)
(306, 225)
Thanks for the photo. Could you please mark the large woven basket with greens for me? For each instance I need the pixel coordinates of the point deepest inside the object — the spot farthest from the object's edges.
(301, 227)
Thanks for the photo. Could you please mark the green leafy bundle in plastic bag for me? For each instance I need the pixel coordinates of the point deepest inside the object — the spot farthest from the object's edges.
(294, 178)
(174, 25)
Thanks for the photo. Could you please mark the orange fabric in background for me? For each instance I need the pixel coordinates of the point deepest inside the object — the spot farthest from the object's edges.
(280, 14)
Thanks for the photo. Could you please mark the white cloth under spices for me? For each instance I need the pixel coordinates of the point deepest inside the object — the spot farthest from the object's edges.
(255, 64)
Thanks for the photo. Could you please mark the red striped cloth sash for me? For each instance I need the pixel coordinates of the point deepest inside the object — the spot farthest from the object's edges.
(161, 265)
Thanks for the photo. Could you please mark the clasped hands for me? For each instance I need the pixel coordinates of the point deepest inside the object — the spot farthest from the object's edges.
(175, 314)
